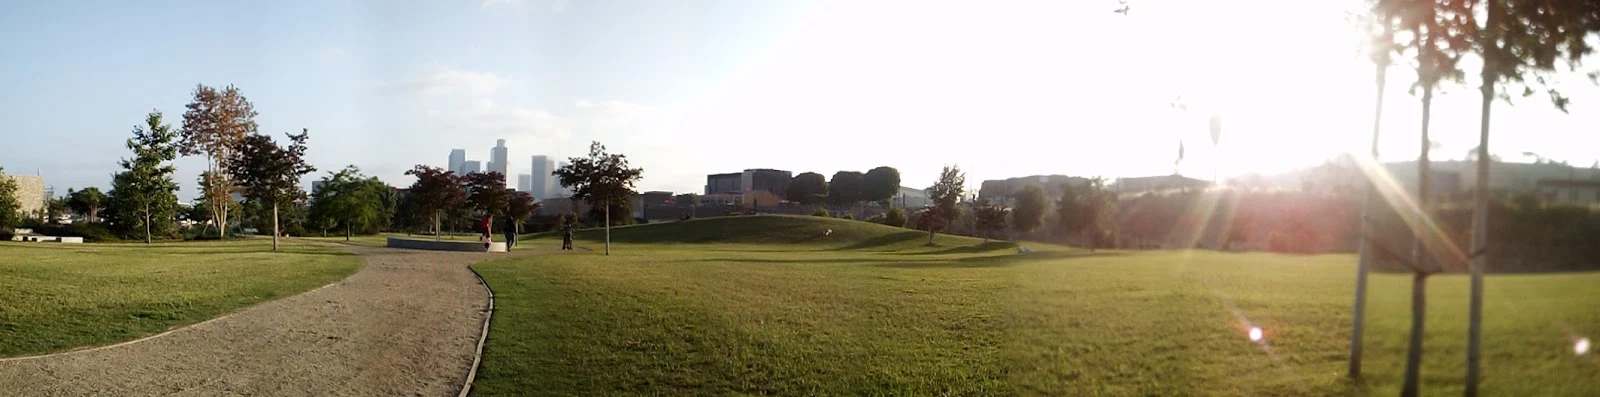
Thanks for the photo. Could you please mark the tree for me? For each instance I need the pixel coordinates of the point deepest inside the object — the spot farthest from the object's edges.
(270, 174)
(87, 202)
(486, 193)
(1087, 210)
(600, 180)
(880, 184)
(520, 208)
(1028, 215)
(144, 191)
(435, 192)
(214, 125)
(845, 188)
(10, 205)
(895, 217)
(808, 188)
(932, 219)
(347, 197)
(944, 194)
(1520, 37)
(54, 209)
(990, 217)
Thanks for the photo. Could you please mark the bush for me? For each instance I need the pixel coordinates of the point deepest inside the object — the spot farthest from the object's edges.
(6, 234)
(90, 232)
(848, 215)
(895, 217)
(822, 212)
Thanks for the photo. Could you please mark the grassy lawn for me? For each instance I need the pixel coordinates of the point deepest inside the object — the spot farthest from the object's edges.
(381, 240)
(779, 309)
(55, 297)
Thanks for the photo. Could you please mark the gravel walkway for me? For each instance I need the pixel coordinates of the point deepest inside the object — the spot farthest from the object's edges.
(405, 324)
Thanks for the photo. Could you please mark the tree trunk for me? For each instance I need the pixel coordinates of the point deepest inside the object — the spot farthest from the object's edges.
(147, 223)
(436, 226)
(1419, 310)
(274, 226)
(1480, 215)
(346, 231)
(1364, 254)
(608, 228)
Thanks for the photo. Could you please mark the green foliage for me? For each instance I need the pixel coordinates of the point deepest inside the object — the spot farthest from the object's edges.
(895, 217)
(880, 184)
(808, 188)
(520, 207)
(352, 199)
(1087, 210)
(87, 202)
(10, 206)
(820, 211)
(947, 192)
(486, 193)
(144, 196)
(1028, 215)
(848, 216)
(991, 218)
(600, 178)
(270, 174)
(845, 188)
(435, 193)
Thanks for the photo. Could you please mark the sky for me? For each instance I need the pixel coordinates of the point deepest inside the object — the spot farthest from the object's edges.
(694, 87)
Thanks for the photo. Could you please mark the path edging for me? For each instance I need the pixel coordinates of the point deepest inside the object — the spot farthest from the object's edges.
(477, 357)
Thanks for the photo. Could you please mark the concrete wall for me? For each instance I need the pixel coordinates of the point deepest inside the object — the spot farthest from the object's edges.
(463, 246)
(30, 192)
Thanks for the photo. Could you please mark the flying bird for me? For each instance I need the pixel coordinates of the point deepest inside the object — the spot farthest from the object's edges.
(1124, 9)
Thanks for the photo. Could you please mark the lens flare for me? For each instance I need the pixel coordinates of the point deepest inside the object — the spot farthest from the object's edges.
(1582, 347)
(1255, 335)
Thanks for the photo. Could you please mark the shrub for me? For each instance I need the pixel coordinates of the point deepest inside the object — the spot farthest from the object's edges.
(822, 212)
(6, 234)
(848, 215)
(895, 217)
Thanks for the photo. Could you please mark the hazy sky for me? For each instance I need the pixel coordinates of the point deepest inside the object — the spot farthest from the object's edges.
(686, 88)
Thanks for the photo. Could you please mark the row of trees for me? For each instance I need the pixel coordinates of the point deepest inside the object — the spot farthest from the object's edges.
(846, 188)
(1086, 211)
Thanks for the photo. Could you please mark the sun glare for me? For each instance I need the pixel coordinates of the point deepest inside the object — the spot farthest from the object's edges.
(1581, 347)
(1255, 334)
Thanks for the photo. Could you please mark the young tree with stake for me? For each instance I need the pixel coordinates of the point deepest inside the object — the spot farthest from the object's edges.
(270, 174)
(601, 179)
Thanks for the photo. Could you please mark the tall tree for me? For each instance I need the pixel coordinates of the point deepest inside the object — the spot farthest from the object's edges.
(945, 194)
(1520, 37)
(10, 206)
(1382, 25)
(435, 192)
(602, 179)
(990, 217)
(215, 124)
(520, 207)
(87, 202)
(270, 174)
(348, 198)
(808, 188)
(1028, 214)
(845, 188)
(486, 193)
(880, 184)
(144, 191)
(1087, 210)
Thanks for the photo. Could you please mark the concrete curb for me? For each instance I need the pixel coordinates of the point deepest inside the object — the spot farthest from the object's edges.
(477, 357)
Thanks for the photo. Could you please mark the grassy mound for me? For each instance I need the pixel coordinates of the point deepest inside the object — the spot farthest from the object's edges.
(783, 229)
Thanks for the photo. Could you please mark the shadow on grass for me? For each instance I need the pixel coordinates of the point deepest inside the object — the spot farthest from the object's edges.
(969, 249)
(1001, 260)
(884, 240)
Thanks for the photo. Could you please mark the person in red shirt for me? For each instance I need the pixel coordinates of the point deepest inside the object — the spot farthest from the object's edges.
(486, 231)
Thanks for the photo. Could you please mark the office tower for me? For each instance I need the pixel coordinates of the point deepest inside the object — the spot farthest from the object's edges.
(543, 185)
(525, 182)
(497, 158)
(457, 158)
(470, 166)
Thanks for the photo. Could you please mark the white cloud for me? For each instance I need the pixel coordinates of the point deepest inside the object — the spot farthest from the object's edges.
(560, 6)
(448, 82)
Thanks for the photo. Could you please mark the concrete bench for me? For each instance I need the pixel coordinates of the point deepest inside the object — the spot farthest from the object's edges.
(463, 246)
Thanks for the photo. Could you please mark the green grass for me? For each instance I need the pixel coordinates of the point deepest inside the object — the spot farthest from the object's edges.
(382, 240)
(55, 297)
(869, 311)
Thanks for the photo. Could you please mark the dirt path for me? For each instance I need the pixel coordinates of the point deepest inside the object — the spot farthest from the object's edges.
(405, 324)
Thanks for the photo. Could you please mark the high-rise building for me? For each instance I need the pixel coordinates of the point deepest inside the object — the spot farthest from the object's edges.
(497, 158)
(524, 183)
(543, 185)
(470, 166)
(458, 157)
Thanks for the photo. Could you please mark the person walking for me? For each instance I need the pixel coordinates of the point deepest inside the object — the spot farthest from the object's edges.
(511, 234)
(566, 238)
(487, 232)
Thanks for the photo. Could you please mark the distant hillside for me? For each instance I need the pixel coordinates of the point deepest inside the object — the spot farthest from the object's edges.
(778, 229)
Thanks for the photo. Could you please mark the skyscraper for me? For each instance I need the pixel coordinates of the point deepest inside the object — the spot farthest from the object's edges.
(543, 185)
(497, 158)
(458, 157)
(524, 183)
(469, 167)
